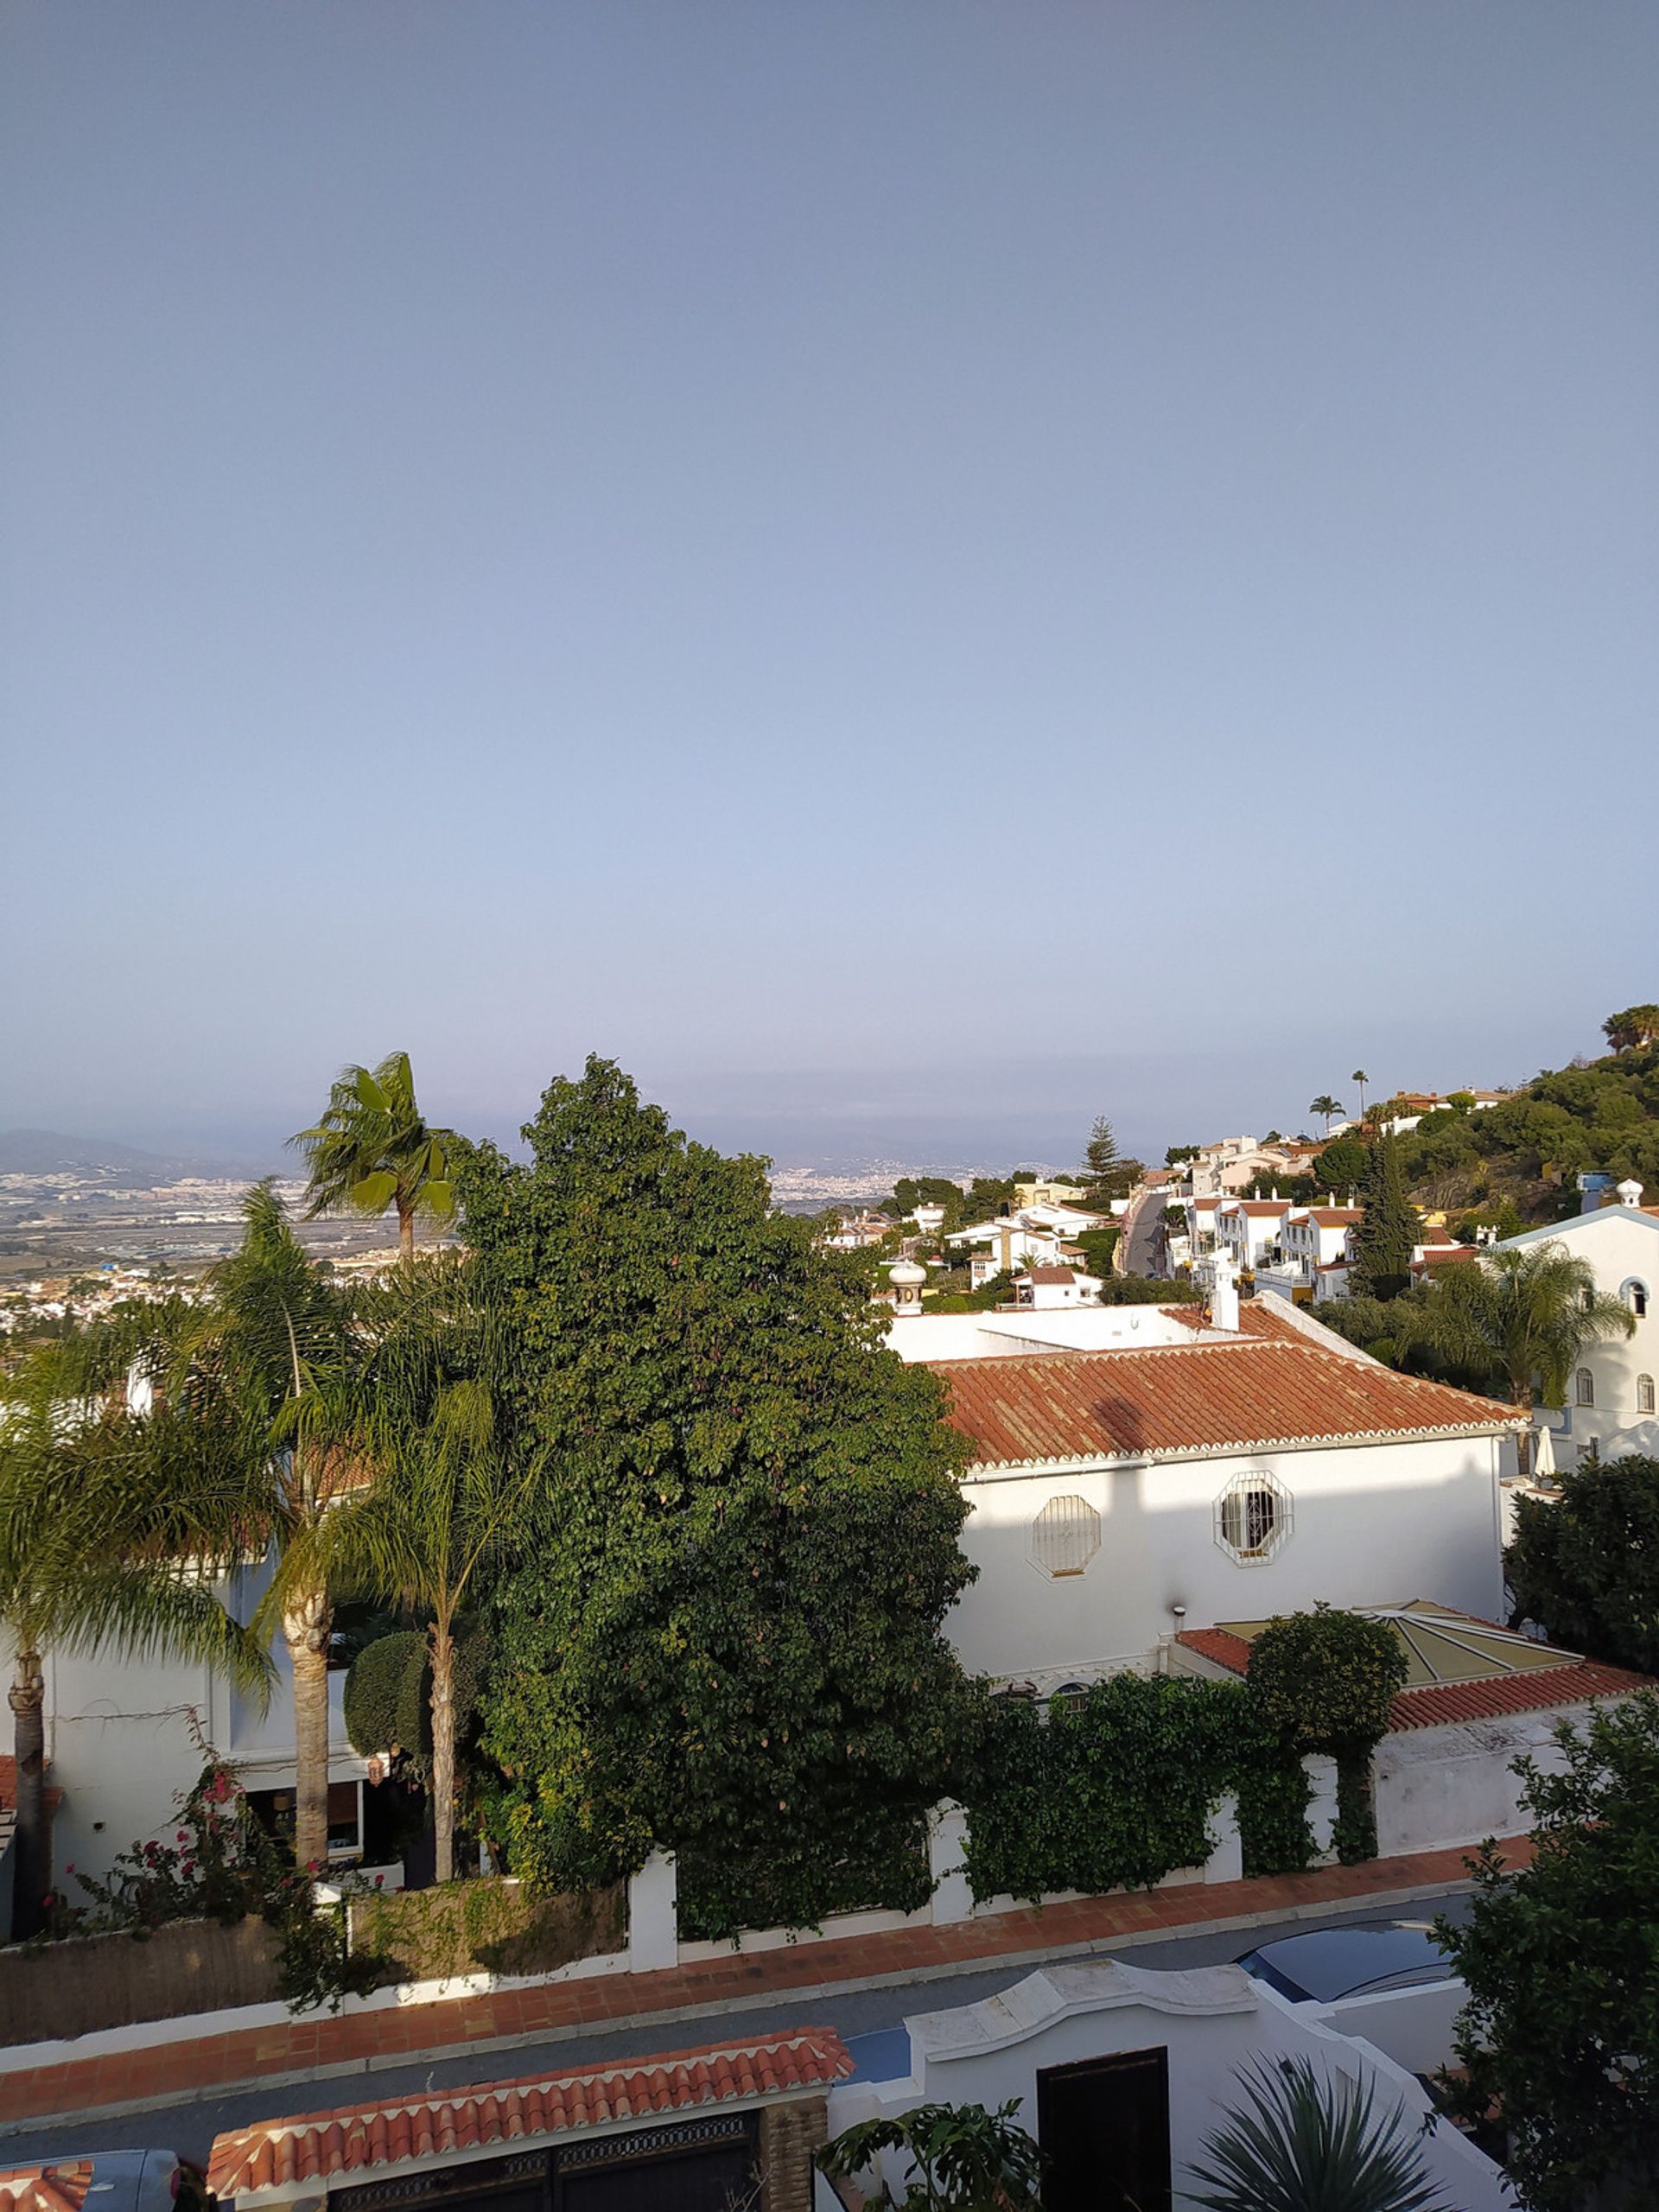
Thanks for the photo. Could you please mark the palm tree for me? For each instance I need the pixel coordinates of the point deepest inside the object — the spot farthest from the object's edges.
(372, 1149)
(94, 1556)
(1528, 1313)
(443, 1497)
(1311, 2142)
(1330, 1107)
(249, 1383)
(1360, 1077)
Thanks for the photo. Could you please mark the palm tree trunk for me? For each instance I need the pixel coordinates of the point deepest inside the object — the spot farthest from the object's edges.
(32, 1866)
(406, 1228)
(305, 1631)
(1521, 1392)
(444, 1750)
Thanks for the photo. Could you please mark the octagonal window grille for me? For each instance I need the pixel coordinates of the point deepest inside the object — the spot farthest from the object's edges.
(1252, 1518)
(1064, 1536)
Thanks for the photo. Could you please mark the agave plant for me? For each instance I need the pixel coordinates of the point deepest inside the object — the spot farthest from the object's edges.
(1310, 2143)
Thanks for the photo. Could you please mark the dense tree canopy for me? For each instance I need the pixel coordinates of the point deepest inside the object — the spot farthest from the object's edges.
(1586, 1567)
(1562, 2030)
(725, 1640)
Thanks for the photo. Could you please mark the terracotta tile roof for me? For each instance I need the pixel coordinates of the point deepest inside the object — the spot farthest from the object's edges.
(1233, 1396)
(1258, 1317)
(1050, 1275)
(1437, 1705)
(9, 1787)
(1440, 1703)
(1441, 1255)
(1220, 1644)
(46, 2189)
(1263, 1206)
(325, 2146)
(1335, 1216)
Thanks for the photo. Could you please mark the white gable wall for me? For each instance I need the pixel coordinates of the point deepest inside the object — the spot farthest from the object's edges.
(1371, 1524)
(1622, 1245)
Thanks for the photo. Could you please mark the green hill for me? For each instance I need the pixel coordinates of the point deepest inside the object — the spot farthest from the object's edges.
(1521, 1159)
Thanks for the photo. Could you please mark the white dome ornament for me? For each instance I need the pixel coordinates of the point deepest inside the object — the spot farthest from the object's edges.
(906, 1279)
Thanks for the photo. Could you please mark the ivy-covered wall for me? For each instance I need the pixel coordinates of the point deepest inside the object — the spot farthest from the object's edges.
(484, 1927)
(1115, 1788)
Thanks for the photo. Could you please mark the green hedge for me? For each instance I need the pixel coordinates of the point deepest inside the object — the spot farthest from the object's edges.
(1115, 1788)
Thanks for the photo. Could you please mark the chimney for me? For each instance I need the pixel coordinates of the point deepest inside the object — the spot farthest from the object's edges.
(1223, 1294)
(906, 1279)
(1629, 1193)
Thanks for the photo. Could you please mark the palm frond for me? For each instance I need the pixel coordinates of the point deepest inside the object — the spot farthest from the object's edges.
(1310, 2142)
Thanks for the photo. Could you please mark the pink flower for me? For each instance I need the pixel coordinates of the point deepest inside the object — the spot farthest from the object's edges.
(379, 1879)
(183, 1836)
(70, 1868)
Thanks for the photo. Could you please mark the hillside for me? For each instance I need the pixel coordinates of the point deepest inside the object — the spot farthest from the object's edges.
(48, 1152)
(1520, 1159)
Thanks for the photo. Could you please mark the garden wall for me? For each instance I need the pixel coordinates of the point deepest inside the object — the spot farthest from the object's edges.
(493, 1926)
(89, 1982)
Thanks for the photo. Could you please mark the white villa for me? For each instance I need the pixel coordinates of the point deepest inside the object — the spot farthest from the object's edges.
(1141, 1469)
(1610, 1406)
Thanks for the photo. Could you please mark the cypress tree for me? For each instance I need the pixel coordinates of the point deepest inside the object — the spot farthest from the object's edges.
(1384, 1238)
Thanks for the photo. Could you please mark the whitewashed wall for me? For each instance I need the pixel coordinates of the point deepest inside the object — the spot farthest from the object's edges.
(1373, 1525)
(1438, 1787)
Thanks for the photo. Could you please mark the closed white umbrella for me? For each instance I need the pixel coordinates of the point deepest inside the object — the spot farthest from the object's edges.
(1543, 1454)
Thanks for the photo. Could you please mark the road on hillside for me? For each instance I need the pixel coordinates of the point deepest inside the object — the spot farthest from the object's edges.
(1143, 1237)
(870, 2020)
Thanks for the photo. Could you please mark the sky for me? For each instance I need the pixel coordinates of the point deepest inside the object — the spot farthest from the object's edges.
(913, 570)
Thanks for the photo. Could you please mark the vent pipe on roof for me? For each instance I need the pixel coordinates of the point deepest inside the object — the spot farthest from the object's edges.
(1224, 1294)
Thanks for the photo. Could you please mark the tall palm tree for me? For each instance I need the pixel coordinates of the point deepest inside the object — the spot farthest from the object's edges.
(444, 1496)
(248, 1385)
(1330, 1107)
(1313, 2142)
(1527, 1314)
(95, 1556)
(372, 1149)
(1360, 1077)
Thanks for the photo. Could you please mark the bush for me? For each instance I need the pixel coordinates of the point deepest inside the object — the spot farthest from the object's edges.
(1327, 1681)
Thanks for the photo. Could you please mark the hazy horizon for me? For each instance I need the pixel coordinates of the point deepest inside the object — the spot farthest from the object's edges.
(913, 574)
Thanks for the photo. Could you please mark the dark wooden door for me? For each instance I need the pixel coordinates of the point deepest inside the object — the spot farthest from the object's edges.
(1105, 2126)
(698, 2181)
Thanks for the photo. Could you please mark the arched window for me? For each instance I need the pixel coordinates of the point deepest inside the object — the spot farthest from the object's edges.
(1635, 1294)
(1584, 1387)
(1644, 1394)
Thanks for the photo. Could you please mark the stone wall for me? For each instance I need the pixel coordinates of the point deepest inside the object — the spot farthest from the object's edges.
(71, 1988)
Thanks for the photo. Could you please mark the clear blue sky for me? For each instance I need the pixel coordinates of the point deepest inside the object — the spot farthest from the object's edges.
(913, 569)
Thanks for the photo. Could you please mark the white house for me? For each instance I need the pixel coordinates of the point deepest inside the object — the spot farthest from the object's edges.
(1048, 1287)
(1138, 1470)
(1311, 1253)
(1247, 1229)
(1610, 1398)
(126, 1739)
(1122, 2072)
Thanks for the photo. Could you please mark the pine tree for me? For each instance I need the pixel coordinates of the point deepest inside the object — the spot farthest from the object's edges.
(1386, 1235)
(1106, 1173)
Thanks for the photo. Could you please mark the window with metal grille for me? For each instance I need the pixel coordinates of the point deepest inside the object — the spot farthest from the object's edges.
(1252, 1517)
(1644, 1394)
(1584, 1389)
(1064, 1536)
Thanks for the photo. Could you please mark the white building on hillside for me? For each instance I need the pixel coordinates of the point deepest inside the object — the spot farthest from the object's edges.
(1610, 1399)
(1139, 1470)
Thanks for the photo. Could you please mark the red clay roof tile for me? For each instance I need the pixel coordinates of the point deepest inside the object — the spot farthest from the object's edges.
(1437, 1704)
(1234, 1396)
(60, 2188)
(324, 2146)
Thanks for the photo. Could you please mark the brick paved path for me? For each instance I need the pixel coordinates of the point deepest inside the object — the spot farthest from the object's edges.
(316, 2042)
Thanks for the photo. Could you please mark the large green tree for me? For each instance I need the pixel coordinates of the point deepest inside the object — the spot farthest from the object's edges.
(1584, 1566)
(95, 1558)
(724, 1639)
(1562, 2029)
(372, 1149)
(1389, 1228)
(1636, 1026)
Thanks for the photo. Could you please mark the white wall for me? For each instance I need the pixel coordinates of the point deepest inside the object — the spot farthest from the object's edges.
(1439, 1787)
(1620, 1245)
(1372, 1525)
(1210, 2022)
(121, 1743)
